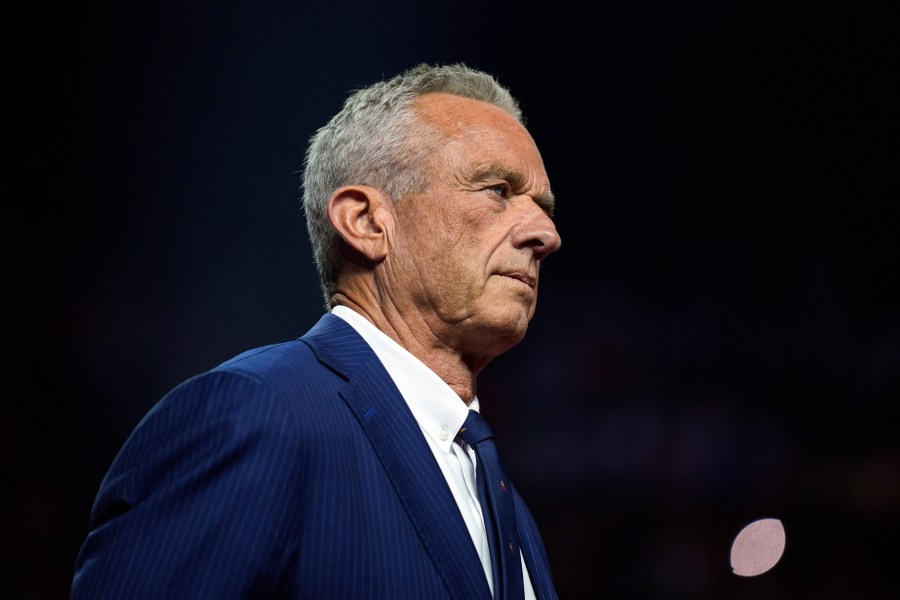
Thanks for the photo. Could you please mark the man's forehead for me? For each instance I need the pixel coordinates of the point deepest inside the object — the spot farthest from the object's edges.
(495, 146)
(452, 113)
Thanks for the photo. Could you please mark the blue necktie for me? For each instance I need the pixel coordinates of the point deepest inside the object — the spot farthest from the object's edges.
(497, 507)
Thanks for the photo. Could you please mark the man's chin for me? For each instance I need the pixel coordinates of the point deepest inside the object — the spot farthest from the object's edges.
(503, 333)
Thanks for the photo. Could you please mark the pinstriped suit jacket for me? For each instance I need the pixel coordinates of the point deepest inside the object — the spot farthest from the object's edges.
(294, 470)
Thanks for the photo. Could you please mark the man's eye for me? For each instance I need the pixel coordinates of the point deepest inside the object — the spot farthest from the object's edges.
(501, 189)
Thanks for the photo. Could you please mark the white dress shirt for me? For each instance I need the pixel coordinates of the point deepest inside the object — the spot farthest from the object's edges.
(440, 413)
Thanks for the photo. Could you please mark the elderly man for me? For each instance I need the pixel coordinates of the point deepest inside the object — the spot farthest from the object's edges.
(351, 462)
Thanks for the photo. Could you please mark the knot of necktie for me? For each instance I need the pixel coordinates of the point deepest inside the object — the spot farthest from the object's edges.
(475, 429)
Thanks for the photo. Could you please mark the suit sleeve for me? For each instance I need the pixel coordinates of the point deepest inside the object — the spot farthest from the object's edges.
(201, 499)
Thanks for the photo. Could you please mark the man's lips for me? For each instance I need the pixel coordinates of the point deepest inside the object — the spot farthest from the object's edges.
(523, 277)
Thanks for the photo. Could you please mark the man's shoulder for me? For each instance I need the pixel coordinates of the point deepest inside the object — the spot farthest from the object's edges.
(284, 363)
(330, 345)
(292, 353)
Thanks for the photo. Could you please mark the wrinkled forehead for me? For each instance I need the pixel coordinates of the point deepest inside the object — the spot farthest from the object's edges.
(478, 136)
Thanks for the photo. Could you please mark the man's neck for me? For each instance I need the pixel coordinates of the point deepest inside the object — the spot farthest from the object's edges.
(420, 341)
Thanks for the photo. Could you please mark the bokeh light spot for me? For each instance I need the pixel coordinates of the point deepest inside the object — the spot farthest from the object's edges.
(758, 547)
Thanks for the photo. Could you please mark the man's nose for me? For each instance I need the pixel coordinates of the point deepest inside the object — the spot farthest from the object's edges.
(536, 231)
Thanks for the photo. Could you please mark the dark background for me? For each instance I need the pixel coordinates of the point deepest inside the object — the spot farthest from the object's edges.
(717, 341)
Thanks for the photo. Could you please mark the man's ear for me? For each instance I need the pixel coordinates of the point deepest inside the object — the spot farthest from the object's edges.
(360, 214)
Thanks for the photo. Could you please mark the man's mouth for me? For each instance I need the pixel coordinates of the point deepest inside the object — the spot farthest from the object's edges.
(523, 277)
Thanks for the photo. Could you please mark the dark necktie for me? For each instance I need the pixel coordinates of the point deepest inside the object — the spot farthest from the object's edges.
(497, 507)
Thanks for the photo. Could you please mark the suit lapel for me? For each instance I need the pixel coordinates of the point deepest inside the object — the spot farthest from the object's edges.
(408, 461)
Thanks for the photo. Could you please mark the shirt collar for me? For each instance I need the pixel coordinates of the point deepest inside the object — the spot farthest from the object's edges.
(438, 410)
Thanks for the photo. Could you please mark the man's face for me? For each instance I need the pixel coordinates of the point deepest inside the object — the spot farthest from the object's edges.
(467, 251)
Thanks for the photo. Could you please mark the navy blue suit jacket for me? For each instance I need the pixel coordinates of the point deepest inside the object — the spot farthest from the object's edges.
(295, 470)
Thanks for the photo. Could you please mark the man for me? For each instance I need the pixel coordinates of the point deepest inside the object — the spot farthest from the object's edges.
(330, 466)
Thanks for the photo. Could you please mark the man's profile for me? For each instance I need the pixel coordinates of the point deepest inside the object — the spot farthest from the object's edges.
(342, 464)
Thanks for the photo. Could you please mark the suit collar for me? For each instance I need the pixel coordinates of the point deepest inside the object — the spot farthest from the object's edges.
(436, 407)
(337, 345)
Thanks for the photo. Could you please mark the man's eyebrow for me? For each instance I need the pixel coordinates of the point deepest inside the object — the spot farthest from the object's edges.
(516, 180)
(492, 172)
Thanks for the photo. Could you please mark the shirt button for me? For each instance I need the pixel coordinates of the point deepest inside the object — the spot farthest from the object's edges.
(444, 434)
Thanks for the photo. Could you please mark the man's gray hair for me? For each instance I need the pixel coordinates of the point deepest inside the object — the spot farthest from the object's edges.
(377, 140)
